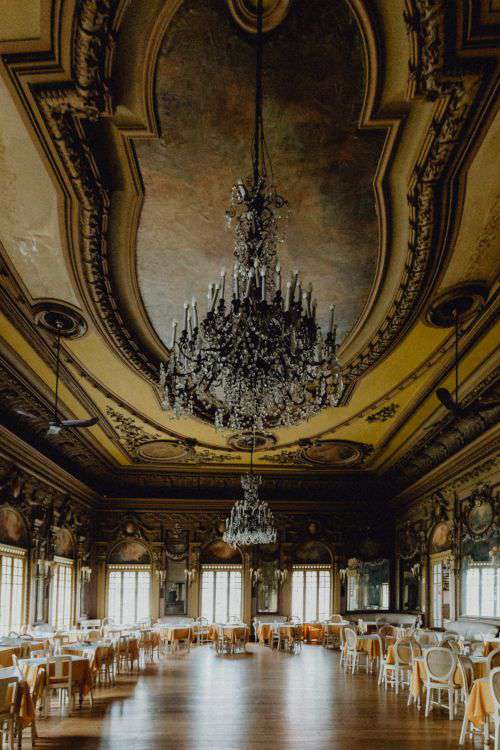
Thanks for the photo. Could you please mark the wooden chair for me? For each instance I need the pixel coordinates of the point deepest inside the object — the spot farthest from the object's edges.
(58, 671)
(426, 637)
(466, 669)
(440, 664)
(8, 690)
(493, 660)
(394, 674)
(354, 655)
(331, 637)
(494, 677)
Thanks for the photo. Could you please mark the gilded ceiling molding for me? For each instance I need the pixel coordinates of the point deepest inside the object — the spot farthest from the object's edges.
(449, 436)
(136, 438)
(334, 454)
(68, 107)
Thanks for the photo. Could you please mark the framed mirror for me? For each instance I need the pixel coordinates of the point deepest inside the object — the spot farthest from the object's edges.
(175, 588)
(267, 588)
(409, 586)
(369, 588)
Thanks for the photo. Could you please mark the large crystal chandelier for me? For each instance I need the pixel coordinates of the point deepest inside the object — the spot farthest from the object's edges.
(258, 357)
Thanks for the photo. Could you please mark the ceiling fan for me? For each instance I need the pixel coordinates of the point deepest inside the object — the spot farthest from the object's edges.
(56, 424)
(452, 404)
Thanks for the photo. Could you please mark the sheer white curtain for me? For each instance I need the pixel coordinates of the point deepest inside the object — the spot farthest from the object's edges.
(12, 589)
(311, 593)
(129, 594)
(221, 593)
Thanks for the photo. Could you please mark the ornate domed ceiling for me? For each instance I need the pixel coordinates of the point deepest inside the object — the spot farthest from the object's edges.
(121, 135)
(323, 163)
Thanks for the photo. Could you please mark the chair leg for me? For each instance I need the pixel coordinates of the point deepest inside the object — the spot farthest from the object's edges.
(497, 733)
(451, 702)
(463, 731)
(428, 701)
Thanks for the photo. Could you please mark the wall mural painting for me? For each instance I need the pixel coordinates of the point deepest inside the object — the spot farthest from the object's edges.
(441, 539)
(313, 552)
(63, 543)
(12, 528)
(219, 553)
(130, 552)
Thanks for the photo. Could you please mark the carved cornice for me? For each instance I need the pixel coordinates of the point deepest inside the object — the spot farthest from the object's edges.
(450, 436)
(69, 108)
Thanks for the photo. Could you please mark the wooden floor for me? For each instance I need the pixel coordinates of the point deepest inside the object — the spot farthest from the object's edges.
(262, 700)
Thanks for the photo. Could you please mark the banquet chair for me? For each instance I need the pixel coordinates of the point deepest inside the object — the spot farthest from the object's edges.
(386, 630)
(394, 674)
(331, 636)
(440, 664)
(493, 660)
(466, 669)
(343, 647)
(415, 648)
(494, 679)
(8, 689)
(58, 671)
(298, 638)
(335, 618)
(202, 630)
(354, 655)
(224, 643)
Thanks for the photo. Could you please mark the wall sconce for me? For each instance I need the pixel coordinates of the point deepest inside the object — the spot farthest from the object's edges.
(162, 575)
(190, 574)
(255, 575)
(85, 573)
(415, 570)
(43, 568)
(281, 576)
(353, 570)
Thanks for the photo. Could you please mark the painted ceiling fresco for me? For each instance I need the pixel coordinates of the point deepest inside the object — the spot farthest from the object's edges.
(322, 162)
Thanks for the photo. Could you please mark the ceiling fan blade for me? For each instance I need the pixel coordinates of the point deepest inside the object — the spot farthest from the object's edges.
(79, 422)
(447, 400)
(25, 413)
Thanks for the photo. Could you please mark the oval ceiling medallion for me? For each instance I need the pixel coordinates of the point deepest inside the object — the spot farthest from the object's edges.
(58, 317)
(162, 450)
(466, 299)
(243, 441)
(244, 13)
(335, 452)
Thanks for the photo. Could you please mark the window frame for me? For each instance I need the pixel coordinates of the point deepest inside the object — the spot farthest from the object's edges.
(129, 568)
(480, 566)
(317, 569)
(14, 553)
(215, 569)
(67, 564)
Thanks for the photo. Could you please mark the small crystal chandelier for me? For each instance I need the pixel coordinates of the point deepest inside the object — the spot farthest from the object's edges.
(258, 358)
(251, 520)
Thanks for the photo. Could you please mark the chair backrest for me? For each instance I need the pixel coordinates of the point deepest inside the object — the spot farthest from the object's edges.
(351, 638)
(295, 620)
(493, 659)
(8, 686)
(402, 653)
(59, 668)
(426, 637)
(466, 668)
(449, 641)
(387, 630)
(476, 647)
(415, 648)
(441, 664)
(335, 618)
(495, 687)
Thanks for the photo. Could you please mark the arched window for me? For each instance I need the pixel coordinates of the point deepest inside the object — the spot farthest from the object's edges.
(61, 593)
(129, 583)
(221, 583)
(12, 588)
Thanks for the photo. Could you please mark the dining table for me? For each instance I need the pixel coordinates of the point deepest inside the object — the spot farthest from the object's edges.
(81, 673)
(480, 704)
(98, 653)
(24, 707)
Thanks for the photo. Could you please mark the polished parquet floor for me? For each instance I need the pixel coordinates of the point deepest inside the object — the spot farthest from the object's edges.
(261, 700)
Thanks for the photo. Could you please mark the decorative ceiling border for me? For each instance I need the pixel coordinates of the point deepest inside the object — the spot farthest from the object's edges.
(70, 110)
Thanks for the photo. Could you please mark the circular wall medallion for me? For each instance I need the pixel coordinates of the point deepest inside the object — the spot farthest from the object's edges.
(466, 299)
(243, 441)
(335, 453)
(58, 317)
(162, 450)
(244, 13)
